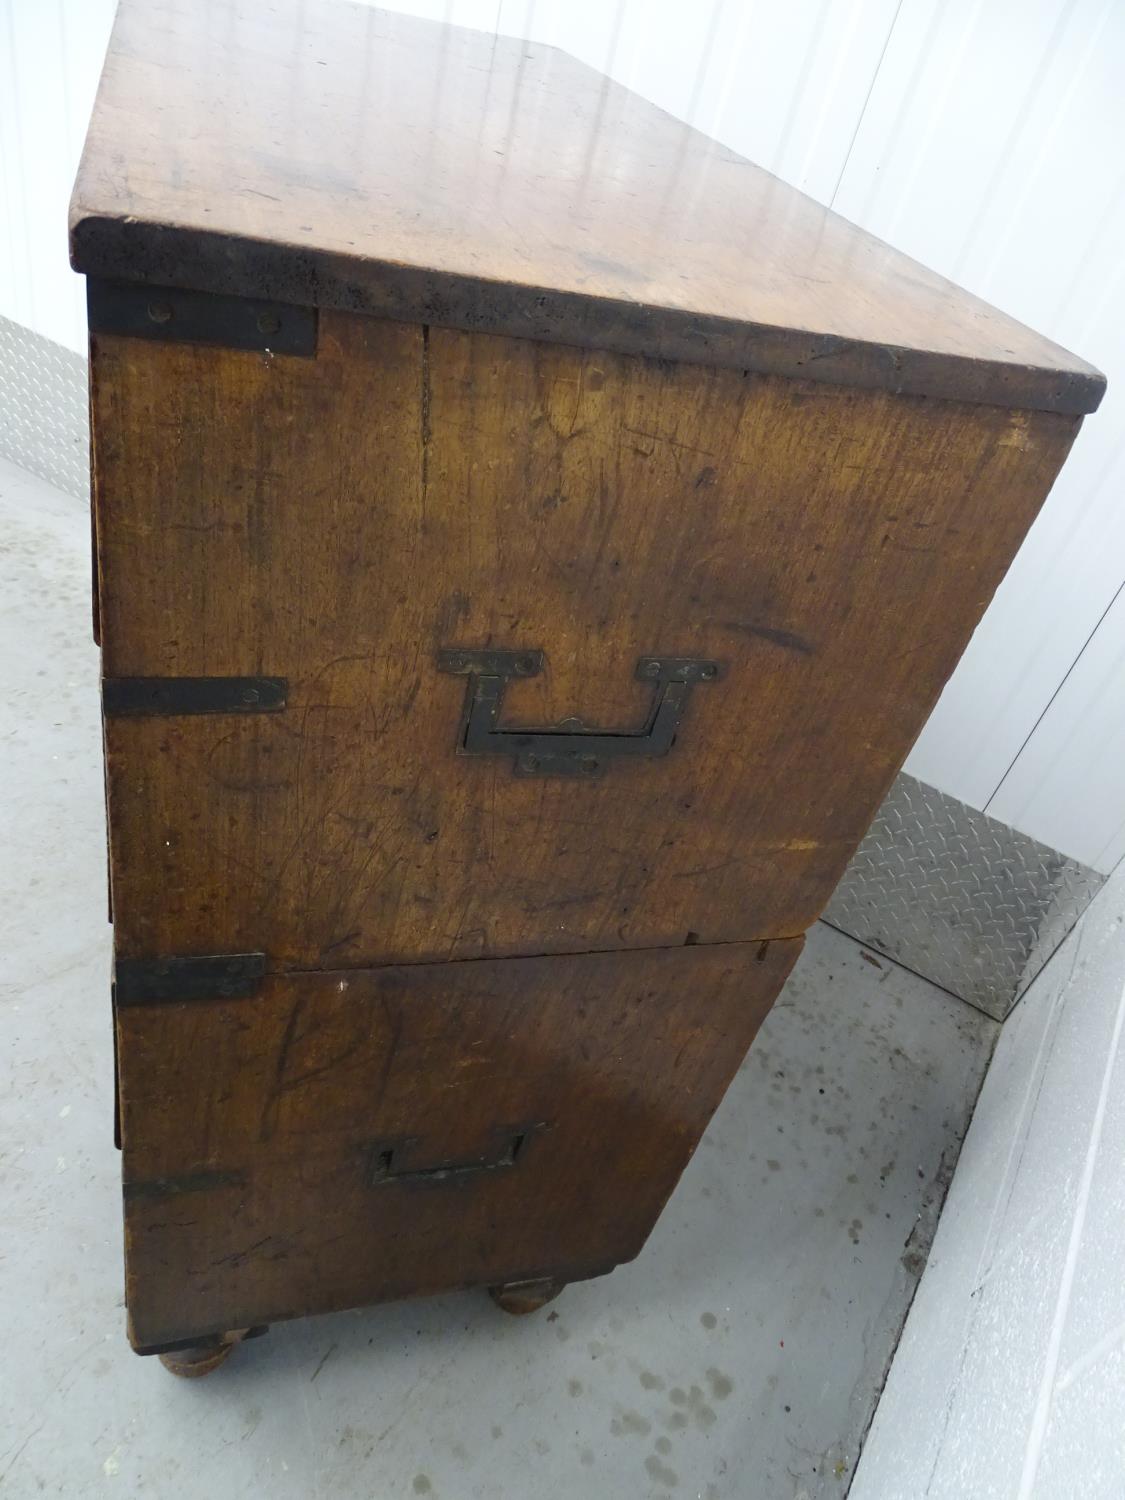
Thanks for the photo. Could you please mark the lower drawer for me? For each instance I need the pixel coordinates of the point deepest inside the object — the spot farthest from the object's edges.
(349, 1137)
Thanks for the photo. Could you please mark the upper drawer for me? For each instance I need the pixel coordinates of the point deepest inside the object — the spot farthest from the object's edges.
(340, 520)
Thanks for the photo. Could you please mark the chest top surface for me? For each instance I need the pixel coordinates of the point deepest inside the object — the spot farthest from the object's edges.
(322, 152)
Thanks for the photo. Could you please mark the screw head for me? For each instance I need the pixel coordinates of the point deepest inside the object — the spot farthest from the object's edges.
(707, 671)
(531, 763)
(268, 322)
(589, 764)
(251, 695)
(160, 312)
(652, 669)
(525, 665)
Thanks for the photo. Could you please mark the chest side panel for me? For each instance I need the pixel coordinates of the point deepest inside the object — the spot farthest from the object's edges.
(338, 521)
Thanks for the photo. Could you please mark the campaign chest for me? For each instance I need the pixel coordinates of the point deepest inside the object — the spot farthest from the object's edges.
(528, 539)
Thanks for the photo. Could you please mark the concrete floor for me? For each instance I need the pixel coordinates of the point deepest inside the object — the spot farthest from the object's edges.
(740, 1355)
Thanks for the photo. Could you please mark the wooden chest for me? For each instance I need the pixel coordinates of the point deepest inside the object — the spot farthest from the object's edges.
(528, 539)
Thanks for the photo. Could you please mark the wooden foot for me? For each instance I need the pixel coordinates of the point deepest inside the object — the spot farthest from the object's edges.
(521, 1297)
(201, 1359)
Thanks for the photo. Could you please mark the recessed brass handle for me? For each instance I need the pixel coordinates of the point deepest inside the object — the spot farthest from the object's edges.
(569, 749)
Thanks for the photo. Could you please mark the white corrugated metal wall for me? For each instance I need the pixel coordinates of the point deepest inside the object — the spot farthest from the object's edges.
(981, 136)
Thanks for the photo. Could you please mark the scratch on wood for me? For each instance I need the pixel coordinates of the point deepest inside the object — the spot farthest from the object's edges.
(425, 416)
(393, 1016)
(671, 442)
(292, 1037)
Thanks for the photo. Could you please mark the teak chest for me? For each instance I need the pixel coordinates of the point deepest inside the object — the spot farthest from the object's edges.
(528, 539)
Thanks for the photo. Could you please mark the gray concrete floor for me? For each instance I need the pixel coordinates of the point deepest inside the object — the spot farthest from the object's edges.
(740, 1356)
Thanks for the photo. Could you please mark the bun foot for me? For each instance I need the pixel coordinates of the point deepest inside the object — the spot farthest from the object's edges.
(522, 1297)
(201, 1359)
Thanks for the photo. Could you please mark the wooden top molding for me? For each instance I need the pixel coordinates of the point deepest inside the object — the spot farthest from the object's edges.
(319, 152)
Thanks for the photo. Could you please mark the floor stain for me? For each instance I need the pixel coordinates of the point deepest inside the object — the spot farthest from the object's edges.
(697, 1408)
(660, 1471)
(630, 1423)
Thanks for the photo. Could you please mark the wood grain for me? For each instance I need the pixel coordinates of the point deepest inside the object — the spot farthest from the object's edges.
(326, 153)
(249, 1126)
(336, 521)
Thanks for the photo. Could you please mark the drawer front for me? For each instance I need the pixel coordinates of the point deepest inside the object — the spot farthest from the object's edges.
(349, 1137)
(387, 530)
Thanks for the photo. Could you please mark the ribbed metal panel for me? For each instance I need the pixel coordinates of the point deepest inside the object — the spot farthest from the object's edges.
(958, 897)
(44, 424)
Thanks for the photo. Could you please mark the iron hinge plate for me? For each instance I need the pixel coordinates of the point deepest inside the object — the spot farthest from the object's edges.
(167, 697)
(178, 316)
(212, 976)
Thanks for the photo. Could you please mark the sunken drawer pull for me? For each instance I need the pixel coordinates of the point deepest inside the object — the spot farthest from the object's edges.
(401, 1161)
(569, 749)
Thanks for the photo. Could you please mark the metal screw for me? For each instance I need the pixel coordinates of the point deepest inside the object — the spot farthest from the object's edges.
(160, 312)
(251, 695)
(268, 322)
(531, 763)
(589, 764)
(652, 669)
(525, 665)
(707, 671)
